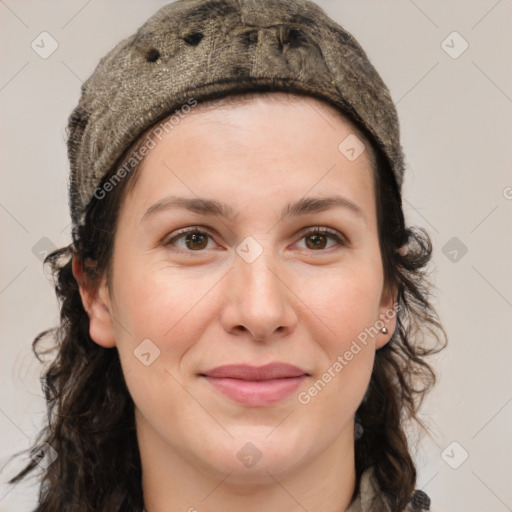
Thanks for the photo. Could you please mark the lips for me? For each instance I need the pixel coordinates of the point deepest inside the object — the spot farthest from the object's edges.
(256, 386)
(247, 372)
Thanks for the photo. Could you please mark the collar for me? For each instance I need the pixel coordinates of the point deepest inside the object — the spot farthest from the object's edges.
(370, 499)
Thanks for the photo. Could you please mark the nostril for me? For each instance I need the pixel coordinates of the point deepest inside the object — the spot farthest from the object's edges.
(193, 39)
(152, 55)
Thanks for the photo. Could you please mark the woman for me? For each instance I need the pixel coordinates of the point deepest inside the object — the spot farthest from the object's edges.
(242, 306)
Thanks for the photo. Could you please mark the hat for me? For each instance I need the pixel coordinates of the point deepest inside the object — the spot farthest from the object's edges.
(194, 50)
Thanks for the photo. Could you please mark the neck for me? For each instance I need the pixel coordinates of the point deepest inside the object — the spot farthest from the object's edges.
(170, 483)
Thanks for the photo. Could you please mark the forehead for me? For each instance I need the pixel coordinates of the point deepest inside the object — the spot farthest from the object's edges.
(279, 100)
(217, 108)
(255, 142)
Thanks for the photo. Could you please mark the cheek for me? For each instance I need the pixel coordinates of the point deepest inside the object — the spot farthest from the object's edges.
(347, 299)
(161, 306)
(168, 306)
(148, 299)
(347, 304)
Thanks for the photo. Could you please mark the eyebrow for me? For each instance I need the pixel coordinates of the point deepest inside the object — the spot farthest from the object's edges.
(204, 206)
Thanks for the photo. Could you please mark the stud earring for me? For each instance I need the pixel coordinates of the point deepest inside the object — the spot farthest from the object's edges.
(359, 430)
(384, 330)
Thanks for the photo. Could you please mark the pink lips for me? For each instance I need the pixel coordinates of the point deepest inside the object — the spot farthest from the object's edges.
(256, 385)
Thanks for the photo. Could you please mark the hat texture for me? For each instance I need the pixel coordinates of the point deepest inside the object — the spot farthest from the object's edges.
(203, 49)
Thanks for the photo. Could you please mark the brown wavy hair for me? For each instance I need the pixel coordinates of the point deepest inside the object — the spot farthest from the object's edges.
(90, 413)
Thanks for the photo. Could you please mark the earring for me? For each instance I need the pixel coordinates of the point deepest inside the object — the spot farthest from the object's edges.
(358, 430)
(384, 330)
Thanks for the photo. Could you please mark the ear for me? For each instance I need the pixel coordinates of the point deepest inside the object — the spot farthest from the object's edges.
(96, 302)
(387, 316)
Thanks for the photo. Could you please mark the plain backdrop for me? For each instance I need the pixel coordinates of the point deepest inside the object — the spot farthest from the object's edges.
(447, 64)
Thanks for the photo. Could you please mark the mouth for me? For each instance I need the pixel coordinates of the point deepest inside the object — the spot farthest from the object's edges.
(256, 386)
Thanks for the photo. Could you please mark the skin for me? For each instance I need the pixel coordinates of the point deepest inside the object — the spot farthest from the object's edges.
(203, 307)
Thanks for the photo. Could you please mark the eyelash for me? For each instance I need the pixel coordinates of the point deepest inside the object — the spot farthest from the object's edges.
(196, 230)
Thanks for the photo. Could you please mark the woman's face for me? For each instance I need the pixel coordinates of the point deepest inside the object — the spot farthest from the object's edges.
(255, 286)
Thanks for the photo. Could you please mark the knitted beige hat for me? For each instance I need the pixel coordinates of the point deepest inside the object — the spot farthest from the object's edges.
(192, 50)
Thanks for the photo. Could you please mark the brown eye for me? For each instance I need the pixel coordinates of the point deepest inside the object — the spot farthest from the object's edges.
(317, 239)
(194, 239)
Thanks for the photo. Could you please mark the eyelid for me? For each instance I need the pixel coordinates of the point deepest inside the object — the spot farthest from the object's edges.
(188, 230)
(320, 230)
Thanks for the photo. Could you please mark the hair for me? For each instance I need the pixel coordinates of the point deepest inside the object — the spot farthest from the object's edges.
(90, 413)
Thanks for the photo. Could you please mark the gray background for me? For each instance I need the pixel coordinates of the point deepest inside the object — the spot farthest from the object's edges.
(455, 116)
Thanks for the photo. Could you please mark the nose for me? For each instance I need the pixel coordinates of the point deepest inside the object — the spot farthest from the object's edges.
(260, 300)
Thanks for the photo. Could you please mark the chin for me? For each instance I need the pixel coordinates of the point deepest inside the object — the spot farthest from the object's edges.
(250, 458)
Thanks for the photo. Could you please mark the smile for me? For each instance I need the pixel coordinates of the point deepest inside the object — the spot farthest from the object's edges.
(256, 386)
